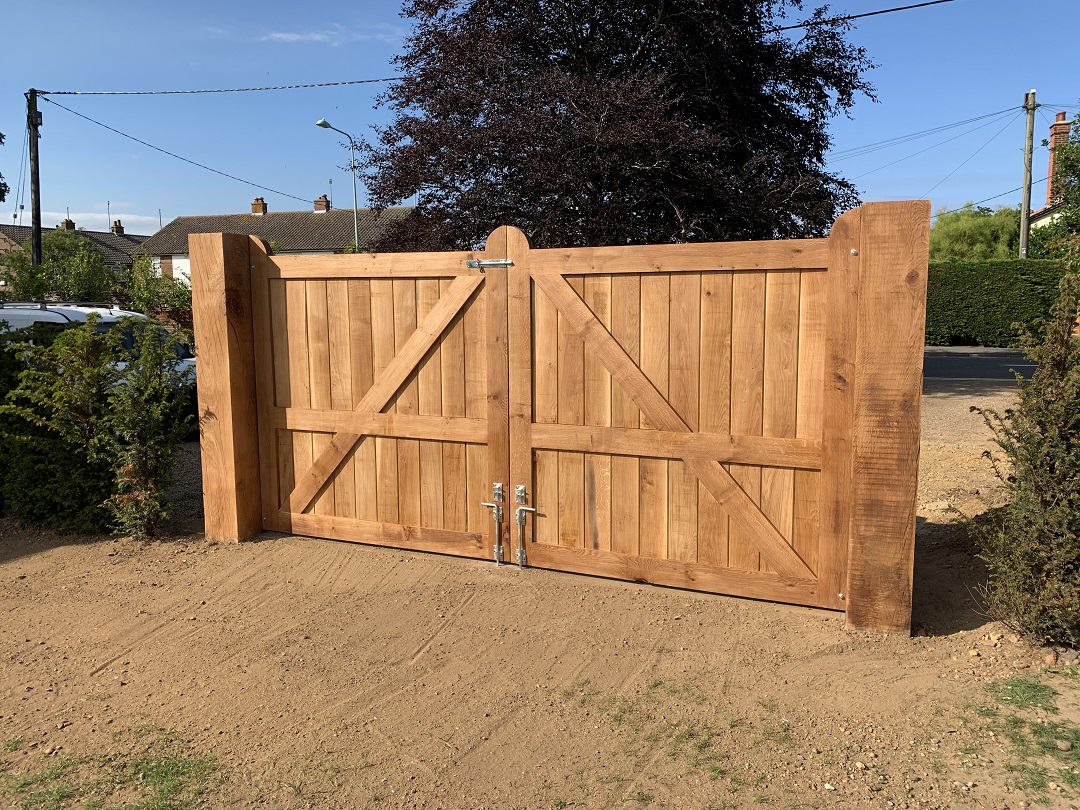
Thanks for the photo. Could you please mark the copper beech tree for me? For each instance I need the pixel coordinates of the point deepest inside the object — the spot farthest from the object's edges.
(589, 122)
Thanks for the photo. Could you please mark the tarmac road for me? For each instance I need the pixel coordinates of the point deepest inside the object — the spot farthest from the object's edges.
(974, 363)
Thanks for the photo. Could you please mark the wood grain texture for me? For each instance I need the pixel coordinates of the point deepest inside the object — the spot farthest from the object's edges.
(458, 544)
(691, 257)
(318, 343)
(597, 503)
(684, 363)
(747, 384)
(660, 413)
(383, 348)
(341, 394)
(652, 472)
(780, 392)
(813, 336)
(407, 402)
(455, 481)
(571, 412)
(361, 364)
(266, 390)
(520, 356)
(374, 265)
(638, 568)
(392, 378)
(888, 391)
(221, 309)
(714, 408)
(626, 331)
(835, 486)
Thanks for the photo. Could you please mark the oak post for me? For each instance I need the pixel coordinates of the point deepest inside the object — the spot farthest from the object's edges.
(228, 426)
(893, 255)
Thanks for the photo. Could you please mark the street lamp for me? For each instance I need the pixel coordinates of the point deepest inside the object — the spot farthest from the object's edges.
(322, 122)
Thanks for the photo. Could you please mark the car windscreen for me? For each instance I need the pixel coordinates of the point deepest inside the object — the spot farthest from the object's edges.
(128, 342)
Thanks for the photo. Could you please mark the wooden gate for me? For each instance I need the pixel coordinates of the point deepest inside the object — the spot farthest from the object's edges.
(738, 418)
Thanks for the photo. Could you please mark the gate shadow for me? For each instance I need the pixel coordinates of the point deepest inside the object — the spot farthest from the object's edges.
(947, 596)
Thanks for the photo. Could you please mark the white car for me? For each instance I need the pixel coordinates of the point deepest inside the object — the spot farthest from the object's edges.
(19, 315)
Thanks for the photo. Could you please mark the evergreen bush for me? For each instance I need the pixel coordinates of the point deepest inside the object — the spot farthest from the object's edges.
(89, 429)
(1032, 545)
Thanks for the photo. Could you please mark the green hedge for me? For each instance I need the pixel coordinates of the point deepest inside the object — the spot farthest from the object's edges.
(978, 303)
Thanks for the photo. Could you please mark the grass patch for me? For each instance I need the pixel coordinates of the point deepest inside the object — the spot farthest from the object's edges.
(1024, 693)
(161, 775)
(14, 744)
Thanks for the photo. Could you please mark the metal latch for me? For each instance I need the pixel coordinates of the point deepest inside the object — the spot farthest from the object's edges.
(520, 515)
(483, 264)
(497, 515)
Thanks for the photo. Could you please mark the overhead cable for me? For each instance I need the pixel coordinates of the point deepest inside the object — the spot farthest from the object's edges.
(178, 157)
(847, 17)
(223, 90)
(973, 154)
(856, 151)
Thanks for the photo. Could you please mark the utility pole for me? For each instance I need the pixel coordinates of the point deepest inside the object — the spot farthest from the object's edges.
(1025, 201)
(33, 122)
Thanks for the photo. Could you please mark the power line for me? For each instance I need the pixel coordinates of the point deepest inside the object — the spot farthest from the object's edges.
(973, 154)
(190, 92)
(174, 155)
(988, 199)
(847, 17)
(927, 149)
(858, 151)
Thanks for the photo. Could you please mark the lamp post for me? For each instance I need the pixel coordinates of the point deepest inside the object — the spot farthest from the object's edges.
(322, 122)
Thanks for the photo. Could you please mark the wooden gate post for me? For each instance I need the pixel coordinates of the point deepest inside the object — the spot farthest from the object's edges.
(228, 428)
(890, 334)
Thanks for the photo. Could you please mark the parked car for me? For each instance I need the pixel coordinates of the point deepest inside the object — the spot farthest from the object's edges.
(22, 314)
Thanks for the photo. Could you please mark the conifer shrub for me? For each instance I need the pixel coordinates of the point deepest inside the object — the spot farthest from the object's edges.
(89, 429)
(1032, 545)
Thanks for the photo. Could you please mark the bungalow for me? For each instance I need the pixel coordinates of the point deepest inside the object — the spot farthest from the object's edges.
(321, 230)
(118, 246)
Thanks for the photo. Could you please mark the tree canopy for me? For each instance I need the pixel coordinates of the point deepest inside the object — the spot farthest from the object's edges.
(975, 233)
(1061, 238)
(589, 122)
(72, 268)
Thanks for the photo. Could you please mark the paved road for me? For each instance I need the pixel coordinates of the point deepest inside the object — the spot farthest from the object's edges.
(973, 363)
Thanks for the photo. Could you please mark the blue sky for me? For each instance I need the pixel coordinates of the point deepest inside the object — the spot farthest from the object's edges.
(937, 66)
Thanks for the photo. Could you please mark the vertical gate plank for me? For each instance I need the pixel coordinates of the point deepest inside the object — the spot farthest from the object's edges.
(318, 337)
(407, 403)
(626, 329)
(520, 350)
(842, 302)
(598, 412)
(747, 381)
(341, 396)
(455, 487)
(684, 369)
(715, 398)
(812, 334)
(653, 472)
(545, 371)
(888, 391)
(478, 487)
(279, 337)
(361, 358)
(299, 376)
(383, 348)
(429, 382)
(571, 412)
(498, 384)
(780, 393)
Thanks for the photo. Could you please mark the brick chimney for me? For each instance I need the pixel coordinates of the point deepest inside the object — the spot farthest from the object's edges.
(66, 225)
(1059, 134)
(258, 207)
(117, 228)
(322, 204)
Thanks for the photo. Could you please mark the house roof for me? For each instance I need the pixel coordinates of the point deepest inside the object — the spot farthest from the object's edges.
(117, 247)
(289, 230)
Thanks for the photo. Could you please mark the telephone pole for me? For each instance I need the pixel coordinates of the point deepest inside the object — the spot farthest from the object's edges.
(1025, 201)
(33, 123)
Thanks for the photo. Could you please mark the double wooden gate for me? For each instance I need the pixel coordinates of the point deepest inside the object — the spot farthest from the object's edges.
(739, 418)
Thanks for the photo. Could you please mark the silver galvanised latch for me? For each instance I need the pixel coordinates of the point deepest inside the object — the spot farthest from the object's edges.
(483, 264)
(498, 496)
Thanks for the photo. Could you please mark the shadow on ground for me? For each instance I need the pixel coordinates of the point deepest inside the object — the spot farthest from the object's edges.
(948, 579)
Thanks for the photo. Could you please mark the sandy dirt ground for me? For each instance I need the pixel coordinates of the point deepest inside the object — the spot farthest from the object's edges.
(331, 675)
